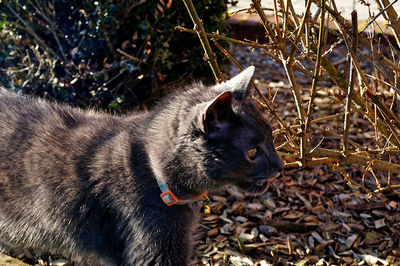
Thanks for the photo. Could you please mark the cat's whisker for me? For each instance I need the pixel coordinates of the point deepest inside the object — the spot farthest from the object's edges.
(254, 192)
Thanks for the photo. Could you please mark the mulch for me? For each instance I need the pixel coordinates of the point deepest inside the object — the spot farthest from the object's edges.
(305, 217)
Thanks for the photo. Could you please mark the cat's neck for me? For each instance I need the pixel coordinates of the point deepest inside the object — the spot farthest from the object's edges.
(163, 144)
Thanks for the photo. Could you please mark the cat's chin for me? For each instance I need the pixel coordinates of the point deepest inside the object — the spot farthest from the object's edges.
(252, 187)
(255, 185)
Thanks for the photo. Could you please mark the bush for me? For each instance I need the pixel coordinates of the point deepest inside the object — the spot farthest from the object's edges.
(68, 50)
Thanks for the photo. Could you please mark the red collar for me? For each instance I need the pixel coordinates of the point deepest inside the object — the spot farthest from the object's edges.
(169, 197)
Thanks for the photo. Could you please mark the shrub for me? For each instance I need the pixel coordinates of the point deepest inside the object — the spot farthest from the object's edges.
(69, 50)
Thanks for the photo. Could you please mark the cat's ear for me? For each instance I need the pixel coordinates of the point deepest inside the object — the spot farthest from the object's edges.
(239, 84)
(217, 115)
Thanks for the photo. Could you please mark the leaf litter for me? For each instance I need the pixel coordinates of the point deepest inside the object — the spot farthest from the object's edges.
(285, 227)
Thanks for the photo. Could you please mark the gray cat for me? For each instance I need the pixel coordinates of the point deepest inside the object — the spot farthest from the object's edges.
(87, 185)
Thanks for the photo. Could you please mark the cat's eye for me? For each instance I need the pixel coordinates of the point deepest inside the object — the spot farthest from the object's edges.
(252, 153)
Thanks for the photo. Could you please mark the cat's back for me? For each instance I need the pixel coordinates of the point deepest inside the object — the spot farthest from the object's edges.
(14, 107)
(33, 127)
(33, 116)
(27, 112)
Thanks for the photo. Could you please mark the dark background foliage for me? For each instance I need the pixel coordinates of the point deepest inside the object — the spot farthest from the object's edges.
(68, 50)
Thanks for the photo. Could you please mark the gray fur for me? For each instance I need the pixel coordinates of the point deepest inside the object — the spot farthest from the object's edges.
(81, 183)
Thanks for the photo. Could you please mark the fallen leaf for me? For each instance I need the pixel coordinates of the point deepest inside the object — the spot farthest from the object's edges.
(241, 219)
(246, 237)
(371, 259)
(350, 240)
(270, 204)
(380, 223)
(268, 230)
(213, 232)
(370, 237)
(290, 245)
(210, 218)
(393, 204)
(317, 237)
(255, 206)
(318, 209)
(219, 198)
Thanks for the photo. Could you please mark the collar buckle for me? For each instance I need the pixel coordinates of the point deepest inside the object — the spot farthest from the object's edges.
(169, 198)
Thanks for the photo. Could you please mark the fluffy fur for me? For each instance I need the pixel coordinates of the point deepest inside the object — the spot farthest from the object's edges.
(83, 183)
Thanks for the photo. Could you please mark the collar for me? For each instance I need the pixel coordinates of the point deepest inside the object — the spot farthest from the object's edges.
(169, 198)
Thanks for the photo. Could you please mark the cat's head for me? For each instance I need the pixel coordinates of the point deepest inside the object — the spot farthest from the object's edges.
(239, 132)
(217, 135)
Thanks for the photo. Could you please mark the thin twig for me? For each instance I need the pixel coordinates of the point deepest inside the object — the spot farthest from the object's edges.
(355, 158)
(224, 38)
(263, 17)
(285, 19)
(321, 36)
(30, 30)
(386, 132)
(288, 67)
(352, 76)
(375, 98)
(353, 184)
(137, 60)
(52, 27)
(278, 31)
(392, 16)
(380, 190)
(264, 47)
(378, 15)
(300, 32)
(337, 135)
(198, 27)
(234, 12)
(265, 100)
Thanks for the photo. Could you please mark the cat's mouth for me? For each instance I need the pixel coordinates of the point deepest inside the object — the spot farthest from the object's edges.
(253, 187)
(255, 184)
